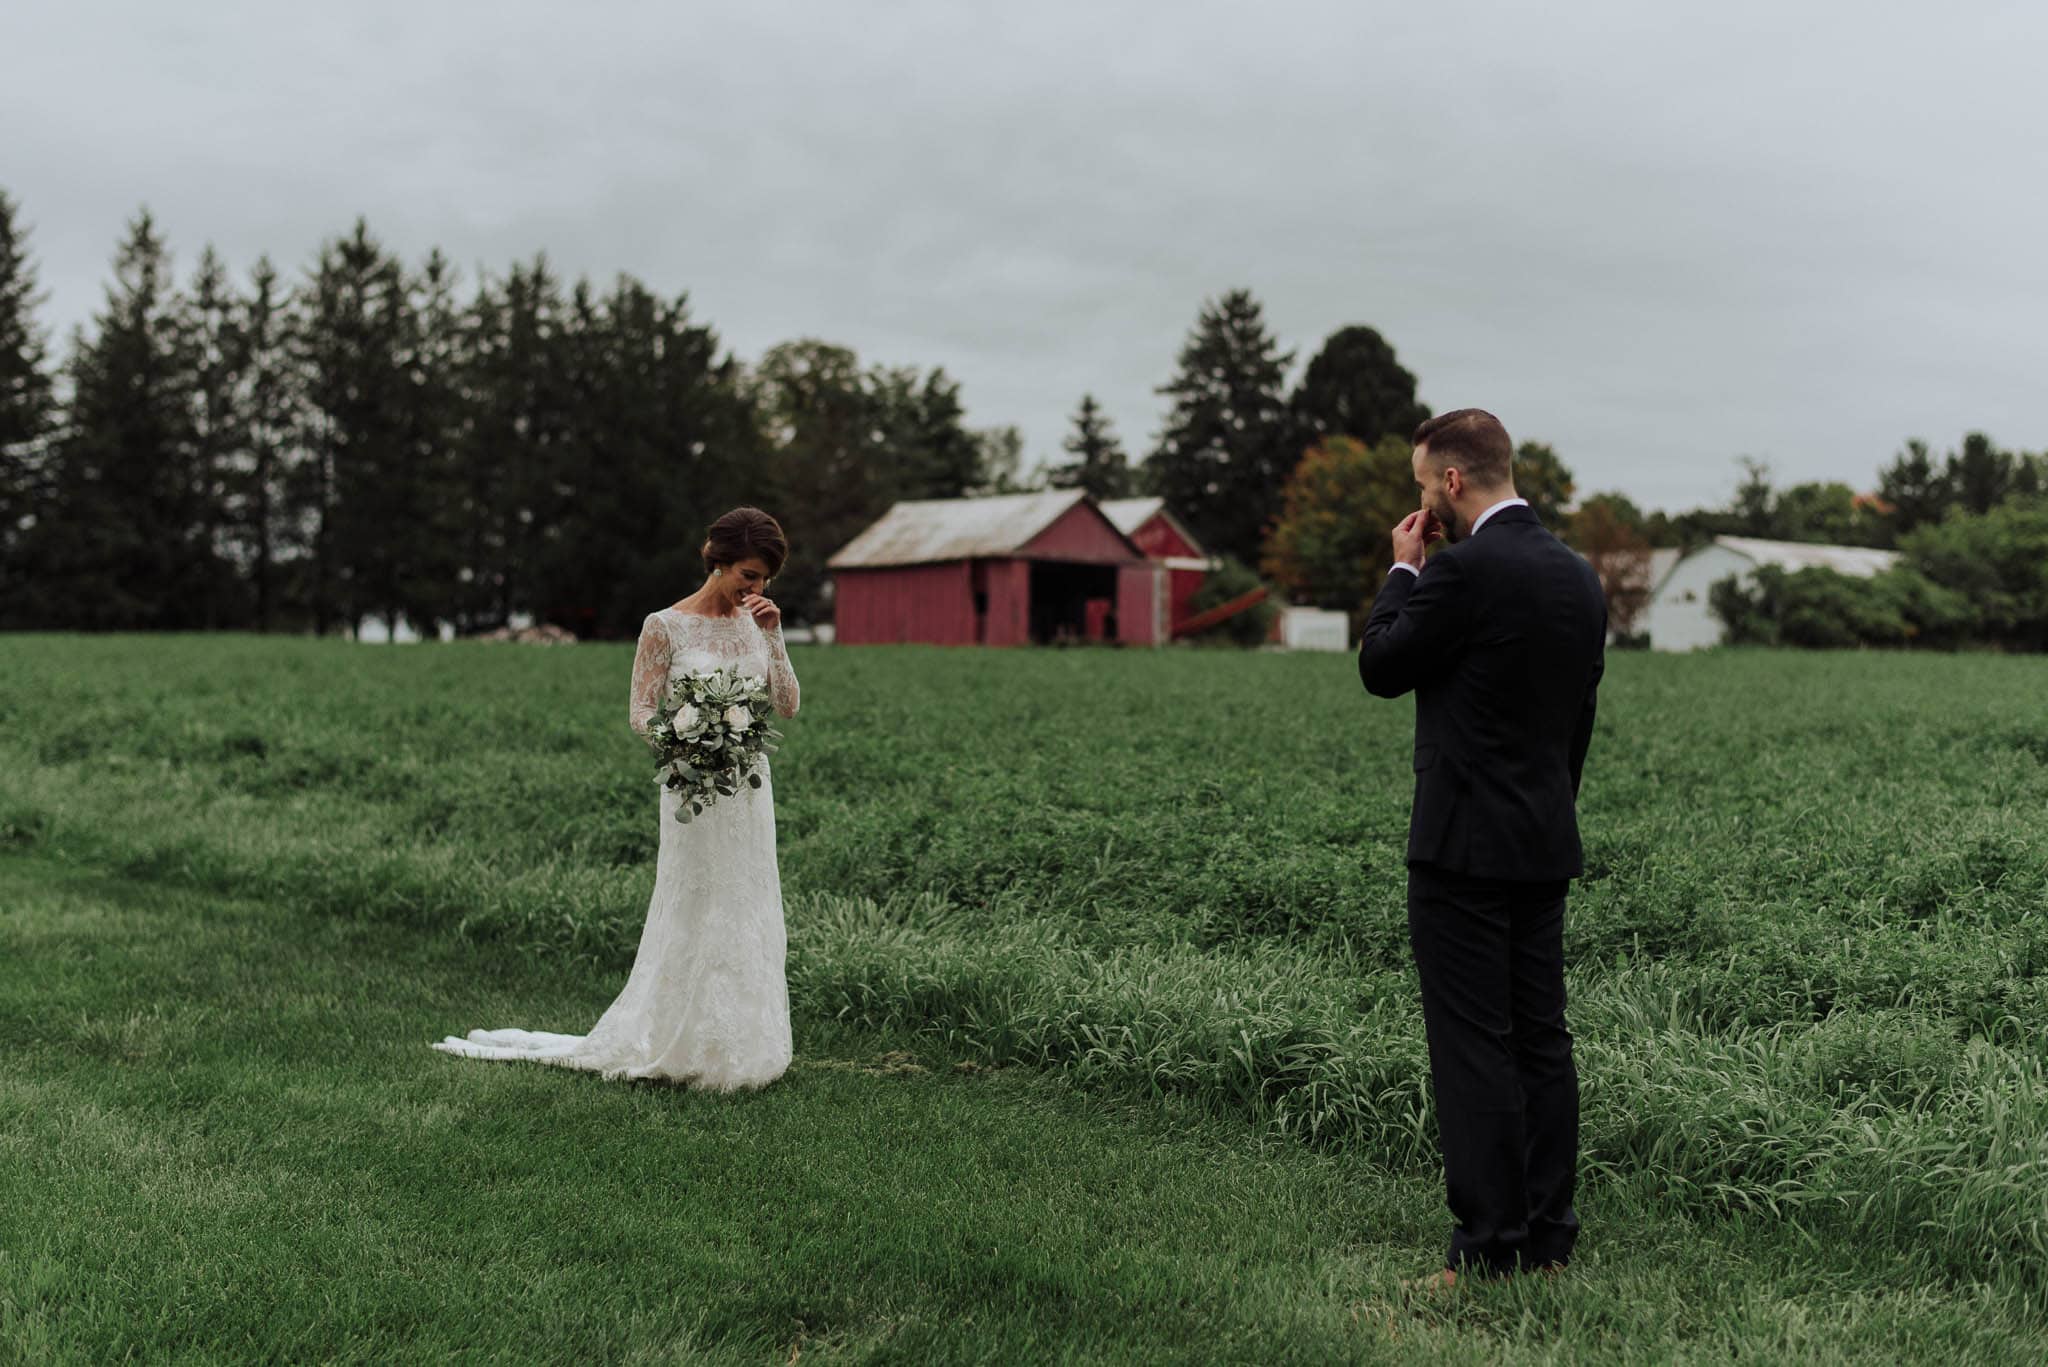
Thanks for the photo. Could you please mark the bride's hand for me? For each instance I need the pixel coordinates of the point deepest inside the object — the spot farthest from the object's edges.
(764, 610)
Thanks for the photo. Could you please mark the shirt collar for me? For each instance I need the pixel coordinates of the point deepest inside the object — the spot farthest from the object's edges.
(1480, 521)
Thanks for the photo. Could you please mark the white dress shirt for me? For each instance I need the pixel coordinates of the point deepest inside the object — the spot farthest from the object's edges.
(1477, 523)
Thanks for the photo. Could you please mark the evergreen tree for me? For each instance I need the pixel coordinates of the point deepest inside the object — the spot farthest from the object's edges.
(121, 545)
(513, 463)
(1753, 511)
(438, 417)
(1098, 464)
(361, 488)
(662, 442)
(1355, 388)
(1981, 475)
(1915, 488)
(1230, 441)
(256, 507)
(2030, 475)
(610, 453)
(213, 328)
(28, 411)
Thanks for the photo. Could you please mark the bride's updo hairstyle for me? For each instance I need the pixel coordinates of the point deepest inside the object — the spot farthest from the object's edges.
(742, 534)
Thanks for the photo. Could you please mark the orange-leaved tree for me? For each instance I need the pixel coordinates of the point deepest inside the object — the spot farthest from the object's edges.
(1330, 545)
(1606, 530)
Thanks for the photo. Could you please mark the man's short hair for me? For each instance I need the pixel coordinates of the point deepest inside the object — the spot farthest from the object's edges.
(1473, 440)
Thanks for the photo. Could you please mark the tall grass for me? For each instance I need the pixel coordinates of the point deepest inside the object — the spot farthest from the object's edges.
(1809, 959)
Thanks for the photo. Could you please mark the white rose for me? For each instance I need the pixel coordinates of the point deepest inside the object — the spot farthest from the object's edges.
(755, 683)
(686, 718)
(738, 718)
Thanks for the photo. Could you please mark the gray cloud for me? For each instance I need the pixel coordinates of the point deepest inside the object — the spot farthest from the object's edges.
(1656, 236)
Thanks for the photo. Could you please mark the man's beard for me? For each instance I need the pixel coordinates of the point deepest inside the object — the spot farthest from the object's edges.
(1446, 517)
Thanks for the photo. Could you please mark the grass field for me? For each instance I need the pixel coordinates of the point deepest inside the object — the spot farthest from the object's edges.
(1154, 899)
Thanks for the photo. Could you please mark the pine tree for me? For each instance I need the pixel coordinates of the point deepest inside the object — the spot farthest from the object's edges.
(1753, 510)
(122, 542)
(2030, 475)
(1916, 489)
(613, 424)
(257, 510)
(1981, 474)
(661, 441)
(513, 463)
(360, 488)
(212, 327)
(1099, 465)
(1230, 441)
(28, 412)
(437, 421)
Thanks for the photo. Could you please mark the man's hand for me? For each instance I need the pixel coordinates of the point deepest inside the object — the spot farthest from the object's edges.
(1417, 533)
(1410, 537)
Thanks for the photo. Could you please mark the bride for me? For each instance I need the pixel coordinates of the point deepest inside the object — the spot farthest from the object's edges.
(706, 1002)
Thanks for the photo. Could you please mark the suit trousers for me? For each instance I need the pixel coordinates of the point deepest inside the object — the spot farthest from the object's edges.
(1490, 954)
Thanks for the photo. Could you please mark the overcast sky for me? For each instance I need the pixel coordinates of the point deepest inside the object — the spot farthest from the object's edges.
(1659, 236)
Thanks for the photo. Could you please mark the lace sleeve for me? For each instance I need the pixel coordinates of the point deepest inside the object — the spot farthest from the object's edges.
(781, 678)
(650, 671)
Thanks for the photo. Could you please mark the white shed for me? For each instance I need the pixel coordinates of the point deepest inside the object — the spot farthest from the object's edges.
(1680, 617)
(1312, 629)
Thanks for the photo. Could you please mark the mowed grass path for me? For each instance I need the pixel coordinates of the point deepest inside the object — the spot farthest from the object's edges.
(222, 1137)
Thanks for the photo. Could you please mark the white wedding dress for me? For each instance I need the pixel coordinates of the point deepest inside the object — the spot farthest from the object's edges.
(707, 1002)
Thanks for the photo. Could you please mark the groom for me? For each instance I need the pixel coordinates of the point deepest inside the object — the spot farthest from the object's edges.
(1500, 634)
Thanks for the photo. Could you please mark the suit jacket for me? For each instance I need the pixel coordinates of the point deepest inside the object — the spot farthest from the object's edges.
(1502, 636)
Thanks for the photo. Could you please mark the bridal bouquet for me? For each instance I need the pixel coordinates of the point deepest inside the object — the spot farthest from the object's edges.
(710, 734)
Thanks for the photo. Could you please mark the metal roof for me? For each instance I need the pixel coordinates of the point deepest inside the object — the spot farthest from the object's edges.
(1663, 560)
(1859, 561)
(920, 531)
(1129, 514)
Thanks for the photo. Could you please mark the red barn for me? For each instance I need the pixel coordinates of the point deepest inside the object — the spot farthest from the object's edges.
(1013, 570)
(1160, 535)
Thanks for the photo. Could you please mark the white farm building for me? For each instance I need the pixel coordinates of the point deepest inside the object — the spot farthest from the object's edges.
(1679, 616)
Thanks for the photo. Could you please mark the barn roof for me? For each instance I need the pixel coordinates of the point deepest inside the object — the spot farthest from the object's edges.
(1662, 561)
(1129, 514)
(920, 531)
(1859, 561)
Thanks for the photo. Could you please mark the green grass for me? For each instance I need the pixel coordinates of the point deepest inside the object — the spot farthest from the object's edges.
(1809, 982)
(224, 1138)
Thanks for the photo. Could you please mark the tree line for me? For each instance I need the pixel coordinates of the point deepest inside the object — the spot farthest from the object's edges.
(378, 440)
(375, 440)
(1971, 577)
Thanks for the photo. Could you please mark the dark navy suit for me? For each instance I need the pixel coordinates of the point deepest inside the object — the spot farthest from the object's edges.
(1501, 638)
